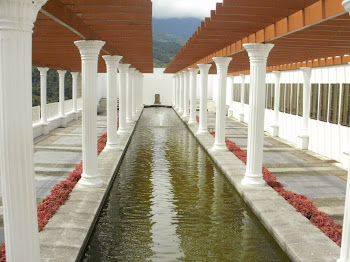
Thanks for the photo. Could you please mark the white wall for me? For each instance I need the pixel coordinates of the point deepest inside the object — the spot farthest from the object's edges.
(102, 86)
(330, 140)
(158, 83)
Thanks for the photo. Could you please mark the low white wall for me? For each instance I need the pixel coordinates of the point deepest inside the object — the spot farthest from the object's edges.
(158, 83)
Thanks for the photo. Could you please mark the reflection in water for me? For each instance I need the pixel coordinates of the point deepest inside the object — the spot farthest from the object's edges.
(170, 203)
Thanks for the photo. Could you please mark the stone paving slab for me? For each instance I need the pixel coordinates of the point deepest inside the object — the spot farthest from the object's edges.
(294, 233)
(65, 236)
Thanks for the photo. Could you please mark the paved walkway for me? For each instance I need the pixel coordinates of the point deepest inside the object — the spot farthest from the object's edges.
(301, 171)
(55, 157)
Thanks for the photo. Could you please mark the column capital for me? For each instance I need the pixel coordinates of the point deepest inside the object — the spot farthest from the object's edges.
(306, 71)
(193, 71)
(89, 49)
(131, 70)
(277, 73)
(258, 52)
(19, 15)
(186, 73)
(222, 62)
(61, 72)
(204, 68)
(123, 68)
(43, 70)
(75, 74)
(112, 61)
(346, 4)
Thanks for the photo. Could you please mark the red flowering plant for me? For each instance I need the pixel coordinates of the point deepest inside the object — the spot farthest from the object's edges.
(59, 195)
(300, 202)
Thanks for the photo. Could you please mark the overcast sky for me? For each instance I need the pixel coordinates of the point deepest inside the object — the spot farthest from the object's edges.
(183, 8)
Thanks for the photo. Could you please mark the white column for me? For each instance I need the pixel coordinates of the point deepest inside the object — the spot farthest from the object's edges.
(193, 95)
(123, 75)
(186, 95)
(222, 64)
(135, 84)
(275, 126)
(129, 94)
(230, 97)
(173, 91)
(304, 132)
(203, 126)
(112, 100)
(75, 93)
(241, 114)
(181, 97)
(62, 114)
(16, 133)
(345, 243)
(89, 51)
(141, 91)
(43, 95)
(177, 94)
(258, 54)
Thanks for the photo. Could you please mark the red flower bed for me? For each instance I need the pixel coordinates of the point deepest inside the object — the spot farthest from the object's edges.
(300, 202)
(59, 195)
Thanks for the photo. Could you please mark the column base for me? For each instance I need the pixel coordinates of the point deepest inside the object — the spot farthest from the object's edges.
(230, 112)
(191, 121)
(45, 127)
(241, 117)
(202, 132)
(110, 146)
(63, 121)
(303, 142)
(341, 260)
(76, 115)
(253, 180)
(275, 130)
(122, 131)
(219, 148)
(91, 181)
(181, 112)
(129, 120)
(176, 108)
(185, 115)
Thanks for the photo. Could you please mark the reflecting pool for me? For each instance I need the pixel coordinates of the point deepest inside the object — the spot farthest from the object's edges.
(169, 202)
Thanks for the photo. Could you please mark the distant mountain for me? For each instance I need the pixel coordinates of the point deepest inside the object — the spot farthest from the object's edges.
(169, 35)
(184, 27)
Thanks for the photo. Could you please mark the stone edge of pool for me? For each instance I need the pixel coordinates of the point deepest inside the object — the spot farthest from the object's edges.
(297, 237)
(65, 236)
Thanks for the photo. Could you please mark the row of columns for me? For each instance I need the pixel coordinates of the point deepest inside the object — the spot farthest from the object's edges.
(16, 132)
(258, 54)
(43, 97)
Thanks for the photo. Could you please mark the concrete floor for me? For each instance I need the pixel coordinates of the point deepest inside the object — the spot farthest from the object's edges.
(301, 171)
(55, 157)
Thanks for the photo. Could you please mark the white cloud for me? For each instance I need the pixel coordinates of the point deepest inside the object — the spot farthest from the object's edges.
(183, 8)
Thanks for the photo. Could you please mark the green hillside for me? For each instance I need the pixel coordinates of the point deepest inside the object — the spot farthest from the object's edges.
(164, 52)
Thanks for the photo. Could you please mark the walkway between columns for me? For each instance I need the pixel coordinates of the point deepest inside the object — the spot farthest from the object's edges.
(55, 157)
(304, 172)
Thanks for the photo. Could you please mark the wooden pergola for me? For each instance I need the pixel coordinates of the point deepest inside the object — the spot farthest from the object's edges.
(125, 26)
(302, 31)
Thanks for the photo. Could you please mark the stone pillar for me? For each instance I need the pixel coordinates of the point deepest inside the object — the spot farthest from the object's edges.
(222, 64)
(141, 91)
(174, 91)
(43, 96)
(123, 74)
(203, 126)
(61, 112)
(112, 100)
(75, 93)
(89, 51)
(304, 132)
(193, 95)
(258, 54)
(186, 95)
(135, 86)
(129, 94)
(16, 133)
(230, 97)
(276, 126)
(241, 114)
(181, 97)
(345, 243)
(177, 99)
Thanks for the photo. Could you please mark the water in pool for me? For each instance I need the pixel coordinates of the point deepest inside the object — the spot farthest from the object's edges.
(169, 202)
